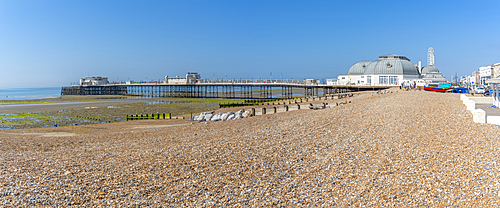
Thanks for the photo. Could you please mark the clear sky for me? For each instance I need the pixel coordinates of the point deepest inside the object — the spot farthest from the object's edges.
(55, 43)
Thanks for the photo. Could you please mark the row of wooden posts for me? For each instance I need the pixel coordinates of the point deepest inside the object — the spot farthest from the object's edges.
(297, 100)
(264, 110)
(152, 116)
(311, 106)
(90, 118)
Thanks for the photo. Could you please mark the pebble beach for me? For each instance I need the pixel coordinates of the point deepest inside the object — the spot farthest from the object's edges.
(407, 148)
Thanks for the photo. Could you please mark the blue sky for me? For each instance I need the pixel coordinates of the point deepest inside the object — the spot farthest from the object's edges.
(54, 43)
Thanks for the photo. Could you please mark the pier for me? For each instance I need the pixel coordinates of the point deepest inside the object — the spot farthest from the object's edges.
(234, 89)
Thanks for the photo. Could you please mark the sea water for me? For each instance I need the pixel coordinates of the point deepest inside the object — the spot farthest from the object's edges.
(29, 93)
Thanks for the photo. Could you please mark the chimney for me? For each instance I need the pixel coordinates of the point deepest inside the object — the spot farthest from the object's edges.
(420, 67)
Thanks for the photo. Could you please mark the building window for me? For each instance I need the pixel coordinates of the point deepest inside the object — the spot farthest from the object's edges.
(383, 80)
(343, 77)
(362, 77)
(368, 79)
(393, 80)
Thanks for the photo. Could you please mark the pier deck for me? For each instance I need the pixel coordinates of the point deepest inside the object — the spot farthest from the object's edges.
(215, 89)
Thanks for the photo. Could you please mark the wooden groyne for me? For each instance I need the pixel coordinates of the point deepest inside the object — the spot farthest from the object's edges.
(287, 105)
(152, 116)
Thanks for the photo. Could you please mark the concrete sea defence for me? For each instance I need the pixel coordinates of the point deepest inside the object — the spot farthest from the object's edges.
(399, 149)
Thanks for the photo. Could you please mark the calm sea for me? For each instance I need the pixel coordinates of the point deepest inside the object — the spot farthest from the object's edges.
(29, 93)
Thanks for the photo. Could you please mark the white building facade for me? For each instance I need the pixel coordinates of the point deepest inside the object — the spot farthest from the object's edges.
(387, 70)
(495, 70)
(190, 78)
(484, 74)
(94, 81)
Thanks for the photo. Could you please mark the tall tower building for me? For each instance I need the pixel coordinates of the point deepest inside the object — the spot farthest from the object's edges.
(430, 73)
(430, 57)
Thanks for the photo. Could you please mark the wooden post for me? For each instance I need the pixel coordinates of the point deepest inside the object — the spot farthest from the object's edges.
(274, 108)
(253, 111)
(263, 111)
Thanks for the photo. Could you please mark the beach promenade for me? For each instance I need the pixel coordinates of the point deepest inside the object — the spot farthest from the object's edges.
(399, 149)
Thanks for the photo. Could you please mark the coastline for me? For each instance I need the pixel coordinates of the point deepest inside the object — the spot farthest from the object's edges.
(85, 110)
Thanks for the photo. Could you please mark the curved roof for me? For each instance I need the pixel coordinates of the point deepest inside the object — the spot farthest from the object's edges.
(433, 76)
(430, 69)
(359, 68)
(392, 64)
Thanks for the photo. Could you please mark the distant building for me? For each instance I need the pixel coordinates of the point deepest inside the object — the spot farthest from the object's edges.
(190, 78)
(431, 74)
(331, 81)
(93, 81)
(484, 74)
(312, 81)
(495, 70)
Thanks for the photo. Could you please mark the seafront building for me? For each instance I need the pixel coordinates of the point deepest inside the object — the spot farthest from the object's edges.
(484, 74)
(481, 76)
(391, 70)
(387, 70)
(190, 78)
(93, 81)
(430, 74)
(495, 70)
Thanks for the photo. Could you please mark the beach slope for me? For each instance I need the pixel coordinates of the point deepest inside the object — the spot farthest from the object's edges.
(399, 149)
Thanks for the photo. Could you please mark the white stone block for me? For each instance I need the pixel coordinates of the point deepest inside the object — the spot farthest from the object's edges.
(479, 116)
(462, 97)
(465, 100)
(493, 120)
(482, 100)
(471, 106)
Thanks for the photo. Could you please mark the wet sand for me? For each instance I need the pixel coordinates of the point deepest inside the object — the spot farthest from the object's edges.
(85, 110)
(57, 106)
